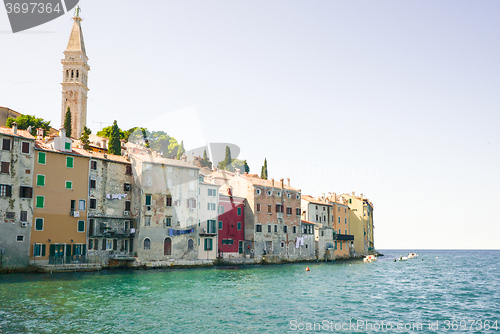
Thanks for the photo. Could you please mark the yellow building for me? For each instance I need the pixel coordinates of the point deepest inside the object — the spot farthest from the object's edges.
(361, 222)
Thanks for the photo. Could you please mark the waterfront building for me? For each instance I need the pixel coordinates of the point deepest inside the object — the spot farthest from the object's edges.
(208, 207)
(319, 211)
(75, 79)
(306, 243)
(166, 192)
(272, 216)
(361, 222)
(16, 196)
(231, 226)
(344, 240)
(60, 182)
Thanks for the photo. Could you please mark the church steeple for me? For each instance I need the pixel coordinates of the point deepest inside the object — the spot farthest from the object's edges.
(75, 74)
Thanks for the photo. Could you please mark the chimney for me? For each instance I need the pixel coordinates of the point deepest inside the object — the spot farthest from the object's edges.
(62, 133)
(229, 191)
(361, 195)
(237, 171)
(353, 194)
(323, 196)
(39, 134)
(104, 143)
(282, 183)
(288, 180)
(272, 182)
(14, 127)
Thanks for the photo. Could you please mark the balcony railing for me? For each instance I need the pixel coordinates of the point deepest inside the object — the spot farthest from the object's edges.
(343, 237)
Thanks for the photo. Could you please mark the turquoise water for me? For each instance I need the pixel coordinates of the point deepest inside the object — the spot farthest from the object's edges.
(459, 285)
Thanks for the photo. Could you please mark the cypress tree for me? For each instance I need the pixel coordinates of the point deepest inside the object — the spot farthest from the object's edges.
(67, 123)
(115, 146)
(247, 168)
(180, 150)
(228, 160)
(84, 138)
(205, 162)
(263, 173)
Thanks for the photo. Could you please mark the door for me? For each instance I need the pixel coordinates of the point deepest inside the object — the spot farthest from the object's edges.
(167, 246)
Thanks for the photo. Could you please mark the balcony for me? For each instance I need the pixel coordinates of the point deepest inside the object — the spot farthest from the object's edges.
(343, 237)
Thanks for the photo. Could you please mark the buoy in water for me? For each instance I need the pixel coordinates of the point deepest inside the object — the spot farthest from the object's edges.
(307, 268)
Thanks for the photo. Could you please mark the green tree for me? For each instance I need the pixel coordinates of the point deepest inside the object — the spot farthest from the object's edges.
(106, 132)
(25, 121)
(246, 167)
(227, 162)
(84, 138)
(263, 173)
(205, 162)
(67, 123)
(115, 146)
(180, 150)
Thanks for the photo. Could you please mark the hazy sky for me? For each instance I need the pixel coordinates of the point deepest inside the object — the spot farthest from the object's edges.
(398, 100)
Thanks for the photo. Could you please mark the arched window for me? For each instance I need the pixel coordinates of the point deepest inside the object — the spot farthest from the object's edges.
(77, 74)
(72, 73)
(67, 74)
(147, 244)
(167, 246)
(190, 244)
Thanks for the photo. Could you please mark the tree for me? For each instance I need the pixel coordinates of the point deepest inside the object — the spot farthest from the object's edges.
(67, 123)
(84, 138)
(180, 150)
(226, 163)
(246, 167)
(25, 121)
(115, 146)
(205, 162)
(263, 173)
(106, 132)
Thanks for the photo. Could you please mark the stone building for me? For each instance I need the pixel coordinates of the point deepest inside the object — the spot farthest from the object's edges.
(16, 196)
(166, 194)
(319, 211)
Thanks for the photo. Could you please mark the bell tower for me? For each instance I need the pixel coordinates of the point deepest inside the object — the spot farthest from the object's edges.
(75, 75)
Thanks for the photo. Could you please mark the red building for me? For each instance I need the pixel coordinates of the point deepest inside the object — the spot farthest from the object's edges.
(231, 226)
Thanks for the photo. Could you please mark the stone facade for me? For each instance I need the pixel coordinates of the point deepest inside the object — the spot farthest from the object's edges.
(16, 196)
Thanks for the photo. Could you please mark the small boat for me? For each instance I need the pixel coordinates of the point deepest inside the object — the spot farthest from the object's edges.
(412, 255)
(403, 258)
(370, 258)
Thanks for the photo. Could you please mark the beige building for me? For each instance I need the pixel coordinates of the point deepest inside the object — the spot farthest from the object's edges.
(344, 240)
(16, 196)
(361, 222)
(59, 230)
(319, 211)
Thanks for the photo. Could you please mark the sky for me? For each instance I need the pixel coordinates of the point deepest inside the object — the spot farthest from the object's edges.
(397, 100)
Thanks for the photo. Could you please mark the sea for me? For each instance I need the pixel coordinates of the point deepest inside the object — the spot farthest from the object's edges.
(441, 291)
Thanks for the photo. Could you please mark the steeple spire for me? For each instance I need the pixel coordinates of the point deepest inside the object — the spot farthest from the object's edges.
(74, 85)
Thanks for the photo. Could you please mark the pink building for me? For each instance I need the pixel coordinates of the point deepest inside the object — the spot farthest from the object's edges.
(231, 226)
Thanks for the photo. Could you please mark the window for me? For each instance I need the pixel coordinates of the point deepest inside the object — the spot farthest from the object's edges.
(240, 247)
(191, 203)
(208, 244)
(257, 191)
(81, 205)
(40, 202)
(269, 193)
(211, 226)
(294, 229)
(289, 211)
(212, 192)
(324, 218)
(81, 226)
(20, 238)
(298, 196)
(128, 170)
(10, 215)
(93, 203)
(169, 200)
(345, 220)
(339, 219)
(269, 228)
(239, 211)
(322, 233)
(127, 205)
(148, 199)
(297, 211)
(93, 165)
(5, 166)
(38, 250)
(316, 207)
(258, 207)
(278, 193)
(147, 244)
(6, 145)
(69, 162)
(92, 184)
(269, 208)
(40, 180)
(190, 244)
(26, 192)
(67, 146)
(282, 244)
(41, 158)
(69, 185)
(289, 195)
(238, 226)
(23, 216)
(316, 217)
(25, 147)
(335, 245)
(126, 187)
(221, 209)
(211, 206)
(275, 228)
(345, 232)
(168, 221)
(340, 245)
(285, 229)
(220, 225)
(147, 221)
(258, 228)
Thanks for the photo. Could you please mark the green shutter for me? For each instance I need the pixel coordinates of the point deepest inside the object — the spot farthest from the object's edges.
(40, 180)
(84, 249)
(81, 226)
(220, 225)
(69, 185)
(74, 250)
(67, 146)
(239, 225)
(41, 158)
(35, 250)
(68, 250)
(211, 244)
(148, 199)
(43, 249)
(205, 243)
(239, 211)
(69, 162)
(39, 224)
(40, 201)
(52, 250)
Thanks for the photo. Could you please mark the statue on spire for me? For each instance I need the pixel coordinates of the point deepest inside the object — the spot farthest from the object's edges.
(77, 11)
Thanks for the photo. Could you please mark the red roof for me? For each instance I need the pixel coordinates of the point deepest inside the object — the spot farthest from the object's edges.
(20, 133)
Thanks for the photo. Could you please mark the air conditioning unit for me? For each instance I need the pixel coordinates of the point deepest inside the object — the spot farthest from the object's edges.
(24, 224)
(126, 213)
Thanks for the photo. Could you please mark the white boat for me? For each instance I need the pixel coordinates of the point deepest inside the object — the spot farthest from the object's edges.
(403, 258)
(370, 258)
(412, 255)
